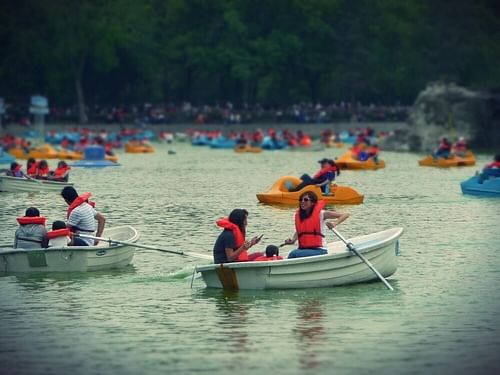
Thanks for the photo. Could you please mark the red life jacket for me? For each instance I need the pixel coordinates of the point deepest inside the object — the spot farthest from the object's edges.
(58, 233)
(325, 170)
(33, 168)
(264, 258)
(309, 230)
(78, 201)
(25, 220)
(239, 238)
(43, 172)
(495, 164)
(60, 171)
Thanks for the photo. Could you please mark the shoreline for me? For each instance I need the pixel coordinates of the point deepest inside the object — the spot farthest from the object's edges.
(313, 129)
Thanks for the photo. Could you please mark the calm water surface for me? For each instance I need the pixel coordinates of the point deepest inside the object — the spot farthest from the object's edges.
(442, 318)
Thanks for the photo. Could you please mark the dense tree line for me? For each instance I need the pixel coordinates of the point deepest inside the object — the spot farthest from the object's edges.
(272, 52)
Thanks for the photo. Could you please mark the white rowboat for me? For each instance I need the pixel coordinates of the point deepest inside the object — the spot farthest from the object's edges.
(339, 267)
(19, 184)
(73, 258)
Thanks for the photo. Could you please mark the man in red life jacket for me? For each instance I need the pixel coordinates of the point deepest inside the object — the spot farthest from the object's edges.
(82, 216)
(443, 150)
(310, 226)
(322, 178)
(61, 173)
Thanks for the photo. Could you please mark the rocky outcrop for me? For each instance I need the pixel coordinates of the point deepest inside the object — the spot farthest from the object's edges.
(449, 110)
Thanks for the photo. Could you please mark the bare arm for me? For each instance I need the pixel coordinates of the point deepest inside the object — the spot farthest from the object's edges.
(341, 217)
(101, 221)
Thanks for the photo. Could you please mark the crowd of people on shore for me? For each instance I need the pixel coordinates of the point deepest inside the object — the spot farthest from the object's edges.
(227, 113)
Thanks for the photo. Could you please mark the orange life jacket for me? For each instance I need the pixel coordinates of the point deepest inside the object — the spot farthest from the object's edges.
(78, 201)
(309, 230)
(42, 172)
(264, 258)
(60, 171)
(58, 233)
(25, 220)
(33, 168)
(239, 238)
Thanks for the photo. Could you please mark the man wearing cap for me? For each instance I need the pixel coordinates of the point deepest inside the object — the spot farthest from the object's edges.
(322, 178)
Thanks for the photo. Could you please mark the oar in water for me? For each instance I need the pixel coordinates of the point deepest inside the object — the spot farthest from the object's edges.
(110, 240)
(351, 247)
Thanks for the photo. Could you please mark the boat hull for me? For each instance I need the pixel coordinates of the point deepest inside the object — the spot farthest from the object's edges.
(73, 258)
(346, 161)
(279, 194)
(16, 184)
(489, 187)
(338, 267)
(453, 161)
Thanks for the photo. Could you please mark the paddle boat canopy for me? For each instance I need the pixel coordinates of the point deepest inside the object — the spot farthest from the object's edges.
(452, 161)
(94, 156)
(279, 193)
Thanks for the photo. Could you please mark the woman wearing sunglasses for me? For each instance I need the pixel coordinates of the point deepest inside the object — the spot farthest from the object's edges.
(231, 245)
(310, 226)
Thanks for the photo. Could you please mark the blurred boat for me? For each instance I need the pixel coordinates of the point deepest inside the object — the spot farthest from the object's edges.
(279, 193)
(138, 148)
(73, 258)
(21, 184)
(346, 161)
(240, 148)
(453, 161)
(47, 151)
(486, 183)
(338, 267)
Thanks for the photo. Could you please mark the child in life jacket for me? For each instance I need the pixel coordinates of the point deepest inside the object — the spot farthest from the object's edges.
(59, 236)
(272, 253)
(31, 233)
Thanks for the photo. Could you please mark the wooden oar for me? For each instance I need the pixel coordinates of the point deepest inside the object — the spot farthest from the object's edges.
(351, 247)
(110, 240)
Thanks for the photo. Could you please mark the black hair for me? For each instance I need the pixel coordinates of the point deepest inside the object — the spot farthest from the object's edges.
(58, 224)
(69, 194)
(497, 157)
(13, 165)
(32, 212)
(238, 216)
(272, 250)
(304, 214)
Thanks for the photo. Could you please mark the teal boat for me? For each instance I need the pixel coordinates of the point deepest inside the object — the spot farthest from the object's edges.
(486, 183)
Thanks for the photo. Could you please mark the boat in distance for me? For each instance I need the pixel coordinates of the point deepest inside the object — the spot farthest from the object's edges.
(339, 267)
(279, 194)
(21, 184)
(453, 161)
(73, 258)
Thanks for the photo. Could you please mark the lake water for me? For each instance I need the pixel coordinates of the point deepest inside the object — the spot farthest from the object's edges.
(442, 318)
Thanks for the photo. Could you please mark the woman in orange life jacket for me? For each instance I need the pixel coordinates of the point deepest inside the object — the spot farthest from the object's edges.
(42, 173)
(31, 167)
(61, 173)
(310, 226)
(31, 233)
(231, 245)
(323, 177)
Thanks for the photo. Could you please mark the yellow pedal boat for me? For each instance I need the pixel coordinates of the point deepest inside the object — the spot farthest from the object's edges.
(453, 161)
(279, 194)
(247, 148)
(47, 151)
(134, 148)
(346, 161)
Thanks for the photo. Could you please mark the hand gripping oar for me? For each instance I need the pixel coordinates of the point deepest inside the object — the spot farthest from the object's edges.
(351, 247)
(110, 240)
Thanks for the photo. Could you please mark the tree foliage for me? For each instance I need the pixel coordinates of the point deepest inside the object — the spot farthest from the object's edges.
(272, 52)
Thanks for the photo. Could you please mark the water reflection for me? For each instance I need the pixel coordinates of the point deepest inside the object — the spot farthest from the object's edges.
(310, 332)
